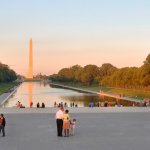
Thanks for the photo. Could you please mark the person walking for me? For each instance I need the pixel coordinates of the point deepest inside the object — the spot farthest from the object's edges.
(59, 120)
(2, 124)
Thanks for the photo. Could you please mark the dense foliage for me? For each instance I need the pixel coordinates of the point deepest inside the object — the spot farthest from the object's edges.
(107, 74)
(6, 74)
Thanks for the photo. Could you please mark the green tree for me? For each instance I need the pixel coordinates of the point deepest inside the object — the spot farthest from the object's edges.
(145, 77)
(147, 61)
(7, 74)
(89, 74)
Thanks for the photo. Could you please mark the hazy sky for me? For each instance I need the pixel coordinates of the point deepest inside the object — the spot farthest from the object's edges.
(69, 32)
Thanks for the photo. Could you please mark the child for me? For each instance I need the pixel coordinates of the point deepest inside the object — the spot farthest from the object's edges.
(72, 126)
(66, 119)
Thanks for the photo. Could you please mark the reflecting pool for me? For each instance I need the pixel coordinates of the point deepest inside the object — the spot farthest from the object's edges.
(34, 92)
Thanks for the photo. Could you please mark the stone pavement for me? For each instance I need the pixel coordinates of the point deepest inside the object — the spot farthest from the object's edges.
(94, 131)
(5, 96)
(52, 110)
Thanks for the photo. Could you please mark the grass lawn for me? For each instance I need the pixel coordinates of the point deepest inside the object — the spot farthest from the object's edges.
(137, 94)
(6, 86)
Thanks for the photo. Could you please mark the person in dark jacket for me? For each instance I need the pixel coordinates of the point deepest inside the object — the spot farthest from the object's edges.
(43, 105)
(38, 105)
(2, 124)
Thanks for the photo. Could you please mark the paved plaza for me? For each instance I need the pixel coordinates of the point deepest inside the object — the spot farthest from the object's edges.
(94, 131)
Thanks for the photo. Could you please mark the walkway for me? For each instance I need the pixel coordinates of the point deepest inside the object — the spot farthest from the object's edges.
(5, 96)
(103, 131)
(80, 110)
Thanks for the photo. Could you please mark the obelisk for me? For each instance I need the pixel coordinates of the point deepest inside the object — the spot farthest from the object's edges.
(30, 73)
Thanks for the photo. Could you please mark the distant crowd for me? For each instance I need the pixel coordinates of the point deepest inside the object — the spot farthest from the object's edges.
(72, 104)
(145, 103)
(104, 104)
(19, 105)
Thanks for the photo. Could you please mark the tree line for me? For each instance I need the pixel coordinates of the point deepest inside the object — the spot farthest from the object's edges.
(107, 75)
(6, 74)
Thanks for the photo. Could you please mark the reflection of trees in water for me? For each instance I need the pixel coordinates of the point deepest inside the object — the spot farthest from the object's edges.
(70, 99)
(44, 84)
(86, 99)
(54, 86)
(69, 89)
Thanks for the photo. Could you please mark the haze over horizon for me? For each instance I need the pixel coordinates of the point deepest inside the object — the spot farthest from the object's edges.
(67, 33)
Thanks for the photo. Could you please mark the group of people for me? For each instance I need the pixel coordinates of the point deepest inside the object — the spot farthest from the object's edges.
(58, 105)
(72, 104)
(42, 105)
(19, 105)
(105, 104)
(65, 125)
(2, 124)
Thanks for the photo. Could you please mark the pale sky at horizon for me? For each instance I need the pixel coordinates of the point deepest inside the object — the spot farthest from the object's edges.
(70, 32)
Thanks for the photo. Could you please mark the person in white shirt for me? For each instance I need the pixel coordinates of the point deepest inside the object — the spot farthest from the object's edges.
(59, 120)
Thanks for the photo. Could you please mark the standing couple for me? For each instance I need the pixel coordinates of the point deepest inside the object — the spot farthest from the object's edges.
(64, 123)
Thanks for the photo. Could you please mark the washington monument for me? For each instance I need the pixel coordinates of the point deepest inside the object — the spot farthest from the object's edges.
(30, 71)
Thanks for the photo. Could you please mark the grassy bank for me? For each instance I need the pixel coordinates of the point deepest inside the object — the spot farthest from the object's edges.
(4, 87)
(137, 94)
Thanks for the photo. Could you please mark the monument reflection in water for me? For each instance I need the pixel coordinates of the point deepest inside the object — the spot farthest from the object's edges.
(30, 87)
(42, 92)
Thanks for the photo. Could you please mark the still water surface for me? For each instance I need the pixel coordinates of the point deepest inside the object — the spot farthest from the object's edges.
(42, 92)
